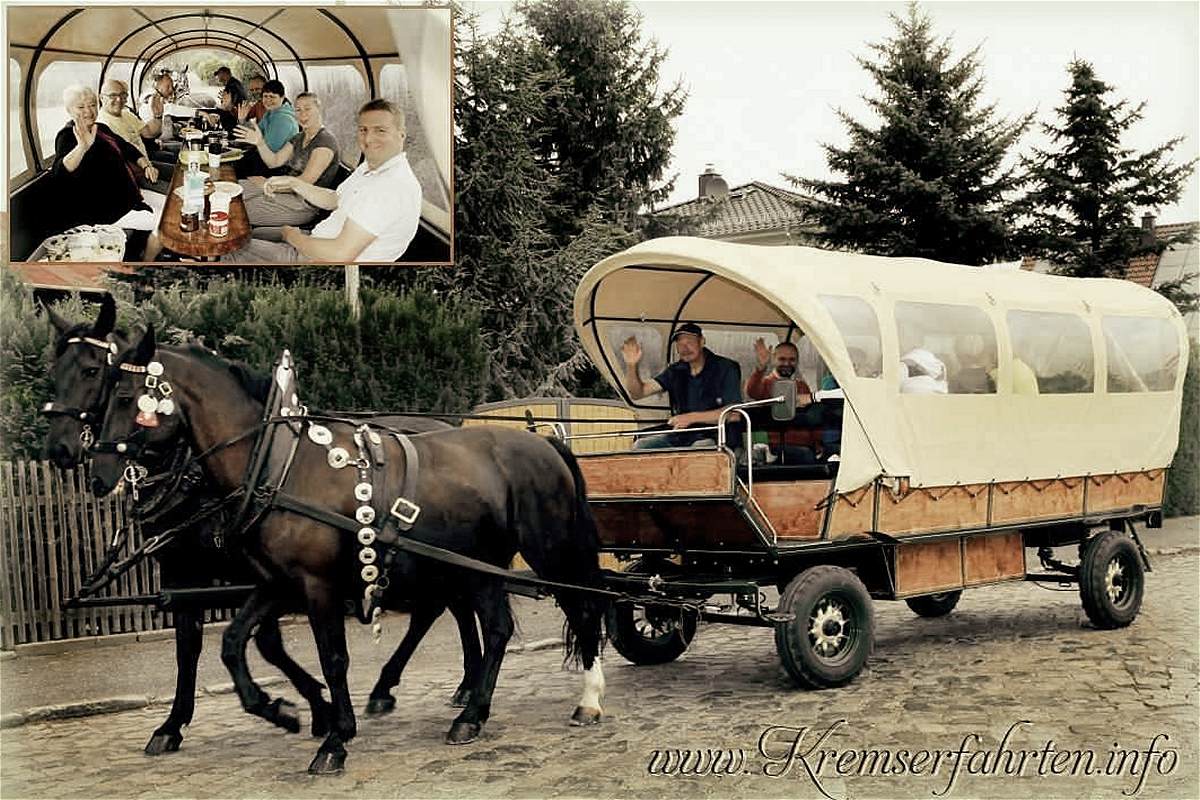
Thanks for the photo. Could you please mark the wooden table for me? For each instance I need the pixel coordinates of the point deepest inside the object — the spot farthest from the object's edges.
(198, 243)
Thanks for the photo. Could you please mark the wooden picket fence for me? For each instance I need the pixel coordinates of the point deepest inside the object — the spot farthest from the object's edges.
(53, 534)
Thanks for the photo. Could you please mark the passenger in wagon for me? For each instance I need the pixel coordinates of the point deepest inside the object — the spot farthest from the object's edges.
(376, 210)
(921, 372)
(277, 128)
(700, 385)
(97, 170)
(796, 443)
(310, 157)
(130, 127)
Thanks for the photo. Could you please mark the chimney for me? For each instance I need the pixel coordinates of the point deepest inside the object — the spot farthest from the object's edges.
(1148, 236)
(712, 184)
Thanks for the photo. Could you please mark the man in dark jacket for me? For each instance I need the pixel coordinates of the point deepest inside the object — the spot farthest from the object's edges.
(700, 385)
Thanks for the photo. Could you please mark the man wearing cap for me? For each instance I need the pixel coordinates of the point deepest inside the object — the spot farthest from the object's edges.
(237, 92)
(700, 385)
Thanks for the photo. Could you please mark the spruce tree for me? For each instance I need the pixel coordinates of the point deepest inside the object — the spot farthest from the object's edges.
(608, 133)
(930, 179)
(1087, 189)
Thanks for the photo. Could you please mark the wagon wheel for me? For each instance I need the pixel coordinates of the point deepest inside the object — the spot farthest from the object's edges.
(934, 605)
(650, 634)
(830, 638)
(1111, 580)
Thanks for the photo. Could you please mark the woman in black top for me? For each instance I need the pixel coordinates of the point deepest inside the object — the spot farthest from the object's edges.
(97, 171)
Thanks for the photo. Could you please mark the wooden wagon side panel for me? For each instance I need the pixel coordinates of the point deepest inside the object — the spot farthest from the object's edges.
(927, 567)
(852, 513)
(794, 508)
(1125, 490)
(933, 509)
(696, 474)
(1026, 501)
(991, 558)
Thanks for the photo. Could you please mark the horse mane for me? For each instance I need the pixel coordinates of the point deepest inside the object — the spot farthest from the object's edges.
(256, 383)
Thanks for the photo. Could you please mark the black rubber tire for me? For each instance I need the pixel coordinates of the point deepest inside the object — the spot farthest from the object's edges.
(934, 605)
(1111, 580)
(627, 629)
(819, 591)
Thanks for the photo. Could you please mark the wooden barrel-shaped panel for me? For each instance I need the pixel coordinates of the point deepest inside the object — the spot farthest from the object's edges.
(933, 508)
(1025, 501)
(1125, 490)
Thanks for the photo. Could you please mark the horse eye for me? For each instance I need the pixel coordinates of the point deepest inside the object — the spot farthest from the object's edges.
(122, 400)
(91, 372)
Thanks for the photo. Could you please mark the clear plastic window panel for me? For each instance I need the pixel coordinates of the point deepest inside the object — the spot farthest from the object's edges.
(857, 322)
(1143, 354)
(51, 114)
(945, 349)
(1057, 348)
(16, 153)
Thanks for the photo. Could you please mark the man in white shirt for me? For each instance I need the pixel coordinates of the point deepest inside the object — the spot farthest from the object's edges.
(375, 211)
(126, 124)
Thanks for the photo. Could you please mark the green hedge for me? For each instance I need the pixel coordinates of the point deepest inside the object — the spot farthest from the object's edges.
(1183, 481)
(409, 351)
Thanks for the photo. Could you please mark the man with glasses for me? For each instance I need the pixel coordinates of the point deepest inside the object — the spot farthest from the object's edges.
(126, 124)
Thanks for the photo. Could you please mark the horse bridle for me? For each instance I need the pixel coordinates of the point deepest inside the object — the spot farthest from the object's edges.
(90, 416)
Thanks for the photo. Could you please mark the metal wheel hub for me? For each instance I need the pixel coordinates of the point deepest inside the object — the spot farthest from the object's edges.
(1114, 581)
(650, 625)
(828, 628)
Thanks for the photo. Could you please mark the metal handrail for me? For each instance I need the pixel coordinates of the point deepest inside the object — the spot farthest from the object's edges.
(740, 408)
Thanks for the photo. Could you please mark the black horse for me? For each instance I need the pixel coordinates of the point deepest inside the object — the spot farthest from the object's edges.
(193, 559)
(486, 493)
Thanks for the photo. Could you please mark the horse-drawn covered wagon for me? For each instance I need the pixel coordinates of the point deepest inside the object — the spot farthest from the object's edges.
(1050, 417)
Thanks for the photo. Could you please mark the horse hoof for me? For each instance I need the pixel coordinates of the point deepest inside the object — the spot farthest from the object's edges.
(460, 698)
(327, 763)
(380, 705)
(283, 714)
(163, 743)
(463, 733)
(585, 716)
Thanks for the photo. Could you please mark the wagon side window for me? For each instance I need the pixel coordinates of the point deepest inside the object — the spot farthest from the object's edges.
(1143, 354)
(342, 90)
(1052, 349)
(650, 336)
(857, 322)
(51, 116)
(945, 349)
(17, 163)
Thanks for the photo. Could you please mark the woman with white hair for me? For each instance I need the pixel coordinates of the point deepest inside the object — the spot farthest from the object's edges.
(98, 169)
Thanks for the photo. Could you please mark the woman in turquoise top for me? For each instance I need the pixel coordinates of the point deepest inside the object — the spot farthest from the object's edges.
(278, 125)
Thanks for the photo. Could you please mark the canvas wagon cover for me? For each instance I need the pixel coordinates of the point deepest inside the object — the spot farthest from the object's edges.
(932, 439)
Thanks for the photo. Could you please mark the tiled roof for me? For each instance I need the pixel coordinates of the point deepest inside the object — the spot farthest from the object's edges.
(1140, 269)
(65, 275)
(749, 208)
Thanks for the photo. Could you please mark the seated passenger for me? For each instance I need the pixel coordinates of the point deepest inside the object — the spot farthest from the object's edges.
(700, 385)
(256, 109)
(130, 127)
(922, 373)
(95, 170)
(375, 211)
(795, 444)
(276, 129)
(224, 116)
(159, 127)
(976, 373)
(236, 90)
(310, 157)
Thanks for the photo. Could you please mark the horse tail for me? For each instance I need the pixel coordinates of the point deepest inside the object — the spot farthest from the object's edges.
(583, 630)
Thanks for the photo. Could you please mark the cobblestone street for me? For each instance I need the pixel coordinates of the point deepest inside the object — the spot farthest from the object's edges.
(1009, 654)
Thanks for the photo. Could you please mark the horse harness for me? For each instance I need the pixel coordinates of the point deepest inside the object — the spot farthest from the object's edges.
(87, 416)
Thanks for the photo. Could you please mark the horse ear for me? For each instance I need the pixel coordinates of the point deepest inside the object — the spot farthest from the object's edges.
(108, 317)
(145, 348)
(58, 322)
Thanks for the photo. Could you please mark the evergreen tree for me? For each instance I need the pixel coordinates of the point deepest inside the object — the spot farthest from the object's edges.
(608, 127)
(929, 180)
(1086, 191)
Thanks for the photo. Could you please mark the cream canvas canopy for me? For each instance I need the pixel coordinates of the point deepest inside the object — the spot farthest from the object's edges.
(934, 440)
(367, 37)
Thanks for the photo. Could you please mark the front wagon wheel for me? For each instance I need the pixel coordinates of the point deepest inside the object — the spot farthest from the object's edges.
(648, 634)
(1111, 580)
(830, 637)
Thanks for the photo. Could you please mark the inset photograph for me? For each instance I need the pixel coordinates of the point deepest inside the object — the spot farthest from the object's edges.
(237, 134)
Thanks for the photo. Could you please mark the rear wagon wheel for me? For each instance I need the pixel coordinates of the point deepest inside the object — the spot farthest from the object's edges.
(934, 605)
(1111, 580)
(830, 638)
